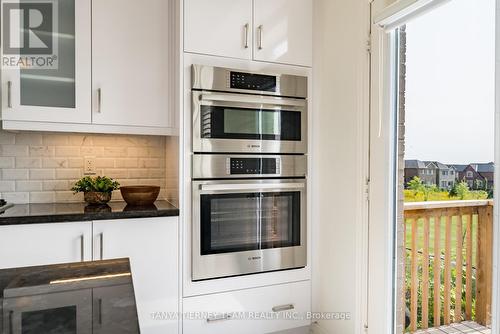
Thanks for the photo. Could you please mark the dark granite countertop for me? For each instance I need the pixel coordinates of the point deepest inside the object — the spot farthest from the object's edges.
(84, 297)
(71, 212)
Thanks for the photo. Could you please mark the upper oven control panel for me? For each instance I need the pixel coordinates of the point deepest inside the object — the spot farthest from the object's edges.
(250, 81)
(252, 166)
(241, 81)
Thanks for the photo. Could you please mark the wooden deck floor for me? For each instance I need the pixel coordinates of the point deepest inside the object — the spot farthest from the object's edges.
(468, 327)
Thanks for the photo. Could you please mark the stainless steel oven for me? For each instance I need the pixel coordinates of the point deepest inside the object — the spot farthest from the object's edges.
(249, 214)
(235, 111)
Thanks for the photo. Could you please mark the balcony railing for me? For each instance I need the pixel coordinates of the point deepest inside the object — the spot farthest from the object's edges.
(448, 262)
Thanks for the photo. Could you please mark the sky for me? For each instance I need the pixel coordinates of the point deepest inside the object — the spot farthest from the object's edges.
(450, 88)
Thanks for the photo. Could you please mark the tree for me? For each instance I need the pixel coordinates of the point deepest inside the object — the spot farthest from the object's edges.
(416, 185)
(461, 190)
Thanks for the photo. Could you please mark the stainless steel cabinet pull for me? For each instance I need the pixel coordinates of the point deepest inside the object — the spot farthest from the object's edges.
(11, 325)
(99, 100)
(9, 94)
(219, 318)
(99, 305)
(261, 29)
(282, 308)
(101, 248)
(251, 186)
(82, 247)
(246, 35)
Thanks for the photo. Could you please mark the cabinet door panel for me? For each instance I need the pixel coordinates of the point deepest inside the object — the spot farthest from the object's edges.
(283, 31)
(43, 244)
(58, 93)
(151, 244)
(130, 63)
(218, 27)
(114, 310)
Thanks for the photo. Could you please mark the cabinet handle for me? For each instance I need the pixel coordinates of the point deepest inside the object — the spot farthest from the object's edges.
(246, 35)
(99, 100)
(11, 325)
(101, 246)
(82, 247)
(223, 317)
(99, 306)
(282, 308)
(9, 94)
(261, 29)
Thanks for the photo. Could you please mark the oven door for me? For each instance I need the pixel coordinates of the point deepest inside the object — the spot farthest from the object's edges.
(241, 123)
(243, 227)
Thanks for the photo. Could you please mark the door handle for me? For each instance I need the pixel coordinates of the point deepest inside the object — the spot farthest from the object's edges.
(246, 35)
(82, 247)
(11, 325)
(99, 100)
(282, 308)
(9, 94)
(261, 31)
(223, 317)
(101, 246)
(258, 186)
(99, 305)
(258, 100)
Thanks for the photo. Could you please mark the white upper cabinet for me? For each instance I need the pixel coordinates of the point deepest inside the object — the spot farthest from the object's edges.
(131, 60)
(283, 31)
(57, 87)
(277, 31)
(218, 27)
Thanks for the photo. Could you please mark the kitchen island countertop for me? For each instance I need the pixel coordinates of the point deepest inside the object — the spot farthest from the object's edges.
(79, 298)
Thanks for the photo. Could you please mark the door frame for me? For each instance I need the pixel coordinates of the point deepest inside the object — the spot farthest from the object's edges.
(383, 180)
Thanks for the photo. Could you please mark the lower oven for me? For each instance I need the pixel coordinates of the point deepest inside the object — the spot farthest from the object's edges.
(245, 226)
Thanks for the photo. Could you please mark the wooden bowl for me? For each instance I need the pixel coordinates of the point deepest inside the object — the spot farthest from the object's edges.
(140, 195)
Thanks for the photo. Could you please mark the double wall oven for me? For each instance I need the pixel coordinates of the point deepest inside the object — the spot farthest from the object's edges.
(249, 172)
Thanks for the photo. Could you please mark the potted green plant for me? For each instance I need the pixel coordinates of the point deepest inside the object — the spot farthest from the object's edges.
(96, 190)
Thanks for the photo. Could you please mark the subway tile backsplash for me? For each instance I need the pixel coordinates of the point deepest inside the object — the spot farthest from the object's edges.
(42, 167)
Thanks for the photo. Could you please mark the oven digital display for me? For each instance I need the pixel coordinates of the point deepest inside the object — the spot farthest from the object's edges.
(249, 81)
(241, 166)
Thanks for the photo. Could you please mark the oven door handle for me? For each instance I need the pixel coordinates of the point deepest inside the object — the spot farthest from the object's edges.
(266, 186)
(254, 99)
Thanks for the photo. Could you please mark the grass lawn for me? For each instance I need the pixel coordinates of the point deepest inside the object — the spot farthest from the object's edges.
(420, 236)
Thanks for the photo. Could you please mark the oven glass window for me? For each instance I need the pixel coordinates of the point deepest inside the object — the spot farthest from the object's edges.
(55, 321)
(258, 124)
(249, 221)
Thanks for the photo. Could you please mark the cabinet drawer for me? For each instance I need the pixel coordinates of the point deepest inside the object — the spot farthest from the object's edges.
(252, 311)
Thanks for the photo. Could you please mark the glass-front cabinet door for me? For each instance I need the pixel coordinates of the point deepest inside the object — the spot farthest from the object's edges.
(68, 312)
(46, 60)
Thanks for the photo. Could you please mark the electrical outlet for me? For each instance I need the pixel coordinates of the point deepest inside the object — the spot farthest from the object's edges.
(89, 167)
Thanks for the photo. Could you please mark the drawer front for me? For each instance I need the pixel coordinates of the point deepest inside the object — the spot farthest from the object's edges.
(251, 311)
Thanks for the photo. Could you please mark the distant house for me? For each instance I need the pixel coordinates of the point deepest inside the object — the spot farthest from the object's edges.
(446, 176)
(460, 170)
(479, 175)
(487, 171)
(473, 178)
(426, 170)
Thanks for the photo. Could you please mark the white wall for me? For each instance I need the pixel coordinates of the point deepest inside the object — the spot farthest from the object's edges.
(340, 137)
